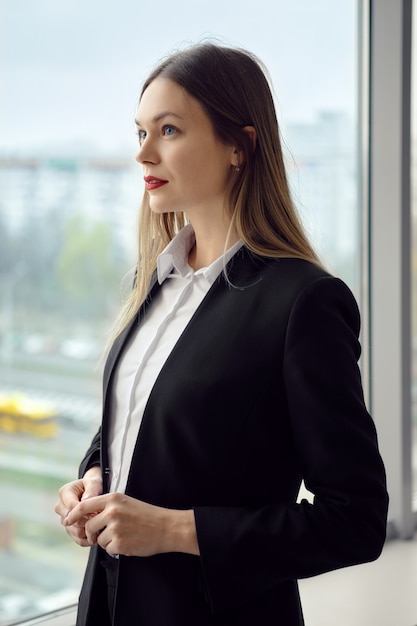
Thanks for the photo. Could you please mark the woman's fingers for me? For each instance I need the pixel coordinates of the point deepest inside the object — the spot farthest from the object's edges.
(124, 525)
(70, 496)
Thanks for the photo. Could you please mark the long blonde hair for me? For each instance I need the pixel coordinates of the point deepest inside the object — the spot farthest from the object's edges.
(232, 87)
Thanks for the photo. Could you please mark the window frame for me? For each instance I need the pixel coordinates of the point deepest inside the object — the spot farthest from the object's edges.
(387, 269)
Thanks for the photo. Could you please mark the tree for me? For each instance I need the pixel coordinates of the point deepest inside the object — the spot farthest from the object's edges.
(87, 266)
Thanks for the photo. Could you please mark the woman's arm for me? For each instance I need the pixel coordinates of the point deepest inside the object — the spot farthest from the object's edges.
(92, 456)
(124, 525)
(246, 551)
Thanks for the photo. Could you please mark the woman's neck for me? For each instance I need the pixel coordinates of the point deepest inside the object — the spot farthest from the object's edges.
(210, 243)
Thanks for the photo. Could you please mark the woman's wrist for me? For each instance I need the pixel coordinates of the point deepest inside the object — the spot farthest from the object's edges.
(93, 472)
(181, 532)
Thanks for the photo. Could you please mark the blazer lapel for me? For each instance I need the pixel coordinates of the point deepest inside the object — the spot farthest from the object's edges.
(244, 270)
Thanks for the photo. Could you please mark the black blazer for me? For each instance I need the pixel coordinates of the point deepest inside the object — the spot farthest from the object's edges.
(261, 391)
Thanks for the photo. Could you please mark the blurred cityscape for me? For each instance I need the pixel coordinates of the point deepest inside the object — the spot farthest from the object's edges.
(67, 226)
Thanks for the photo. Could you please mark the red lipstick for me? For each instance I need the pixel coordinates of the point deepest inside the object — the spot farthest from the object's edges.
(151, 182)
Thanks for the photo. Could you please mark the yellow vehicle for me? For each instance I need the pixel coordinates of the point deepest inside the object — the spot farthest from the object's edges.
(19, 414)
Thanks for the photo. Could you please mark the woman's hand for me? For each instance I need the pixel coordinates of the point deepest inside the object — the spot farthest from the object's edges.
(71, 494)
(123, 525)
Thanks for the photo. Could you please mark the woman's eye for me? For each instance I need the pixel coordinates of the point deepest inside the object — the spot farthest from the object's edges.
(142, 136)
(169, 130)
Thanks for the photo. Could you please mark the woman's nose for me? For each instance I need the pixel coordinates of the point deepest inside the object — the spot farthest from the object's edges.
(138, 157)
(146, 153)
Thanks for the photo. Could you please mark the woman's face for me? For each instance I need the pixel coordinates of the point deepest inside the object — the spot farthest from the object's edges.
(185, 166)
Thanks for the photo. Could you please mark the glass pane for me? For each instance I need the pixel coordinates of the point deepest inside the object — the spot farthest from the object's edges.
(70, 76)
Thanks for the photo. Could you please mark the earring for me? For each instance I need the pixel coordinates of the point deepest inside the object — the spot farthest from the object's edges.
(237, 168)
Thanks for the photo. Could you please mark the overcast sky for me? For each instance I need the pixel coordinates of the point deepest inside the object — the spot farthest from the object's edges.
(71, 70)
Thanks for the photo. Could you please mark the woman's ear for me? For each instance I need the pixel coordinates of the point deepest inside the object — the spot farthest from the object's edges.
(237, 160)
(251, 132)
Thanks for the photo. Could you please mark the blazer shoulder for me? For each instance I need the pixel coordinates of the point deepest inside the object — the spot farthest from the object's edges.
(293, 273)
(246, 262)
(286, 282)
(305, 274)
(299, 270)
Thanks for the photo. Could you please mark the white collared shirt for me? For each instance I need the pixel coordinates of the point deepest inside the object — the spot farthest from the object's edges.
(152, 343)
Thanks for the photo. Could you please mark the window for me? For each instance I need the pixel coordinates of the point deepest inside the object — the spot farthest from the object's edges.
(70, 76)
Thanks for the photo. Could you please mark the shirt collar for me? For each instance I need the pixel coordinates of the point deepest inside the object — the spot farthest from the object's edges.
(175, 257)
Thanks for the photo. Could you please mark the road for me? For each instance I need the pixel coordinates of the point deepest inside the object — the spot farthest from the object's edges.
(53, 375)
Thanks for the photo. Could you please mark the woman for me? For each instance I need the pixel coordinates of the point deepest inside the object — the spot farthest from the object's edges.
(233, 376)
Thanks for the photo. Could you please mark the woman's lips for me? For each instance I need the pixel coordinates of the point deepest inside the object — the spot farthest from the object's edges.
(153, 183)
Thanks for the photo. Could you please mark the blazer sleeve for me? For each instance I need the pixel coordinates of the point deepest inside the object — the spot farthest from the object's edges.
(92, 456)
(247, 551)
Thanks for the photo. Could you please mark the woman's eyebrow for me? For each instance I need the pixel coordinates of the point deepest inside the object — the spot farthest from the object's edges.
(160, 116)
